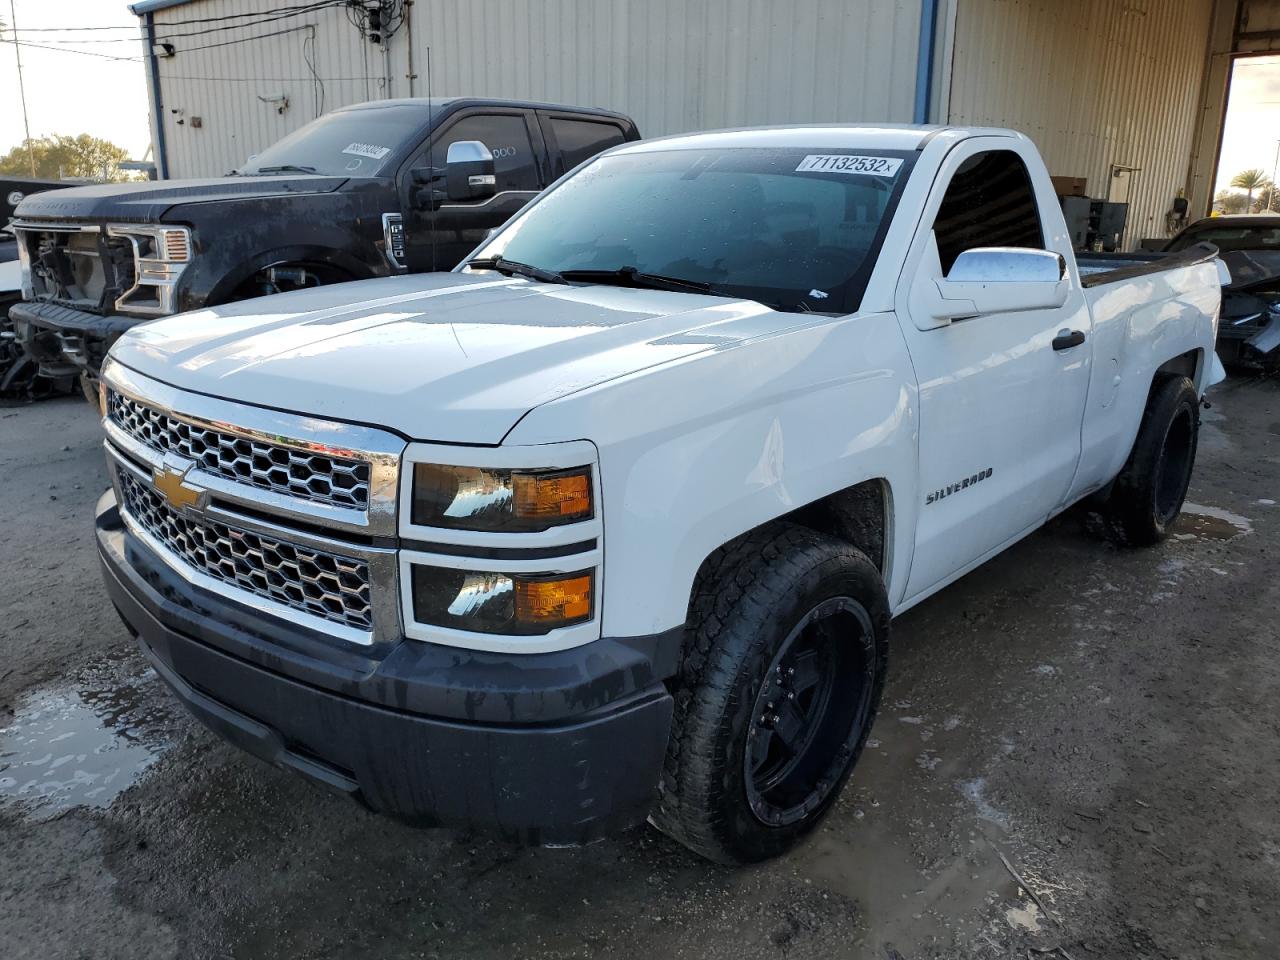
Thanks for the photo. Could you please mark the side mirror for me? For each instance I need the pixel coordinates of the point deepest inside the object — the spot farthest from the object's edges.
(469, 173)
(989, 280)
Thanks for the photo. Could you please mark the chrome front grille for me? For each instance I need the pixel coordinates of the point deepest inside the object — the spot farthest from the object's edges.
(321, 478)
(311, 581)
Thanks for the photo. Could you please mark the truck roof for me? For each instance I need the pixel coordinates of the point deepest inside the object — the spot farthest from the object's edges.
(876, 136)
(457, 103)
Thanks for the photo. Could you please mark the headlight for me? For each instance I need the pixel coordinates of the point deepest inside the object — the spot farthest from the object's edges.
(501, 501)
(505, 603)
(160, 255)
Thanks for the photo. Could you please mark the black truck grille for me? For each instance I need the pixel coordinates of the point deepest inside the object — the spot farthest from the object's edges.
(317, 477)
(312, 581)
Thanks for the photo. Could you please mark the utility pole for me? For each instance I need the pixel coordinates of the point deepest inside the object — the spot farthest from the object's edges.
(1275, 168)
(22, 91)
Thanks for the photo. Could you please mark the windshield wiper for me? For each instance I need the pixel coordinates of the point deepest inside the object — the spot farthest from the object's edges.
(287, 168)
(515, 268)
(631, 277)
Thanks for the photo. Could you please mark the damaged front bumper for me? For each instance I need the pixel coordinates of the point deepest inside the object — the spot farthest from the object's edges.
(66, 342)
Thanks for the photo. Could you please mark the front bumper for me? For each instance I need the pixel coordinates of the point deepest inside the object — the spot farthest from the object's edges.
(66, 342)
(559, 748)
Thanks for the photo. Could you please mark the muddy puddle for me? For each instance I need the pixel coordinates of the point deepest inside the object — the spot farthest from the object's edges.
(1210, 523)
(81, 745)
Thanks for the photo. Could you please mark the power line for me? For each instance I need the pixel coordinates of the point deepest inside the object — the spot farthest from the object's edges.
(302, 11)
(194, 33)
(83, 53)
(301, 7)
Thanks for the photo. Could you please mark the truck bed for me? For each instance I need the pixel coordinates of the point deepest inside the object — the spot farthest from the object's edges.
(1099, 268)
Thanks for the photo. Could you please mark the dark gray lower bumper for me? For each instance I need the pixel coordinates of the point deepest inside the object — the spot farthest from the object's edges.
(569, 779)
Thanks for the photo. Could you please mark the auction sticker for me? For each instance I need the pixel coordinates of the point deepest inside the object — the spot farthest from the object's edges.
(371, 150)
(849, 163)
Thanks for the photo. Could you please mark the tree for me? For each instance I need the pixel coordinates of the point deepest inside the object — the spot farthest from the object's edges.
(1268, 201)
(1229, 202)
(1249, 181)
(62, 156)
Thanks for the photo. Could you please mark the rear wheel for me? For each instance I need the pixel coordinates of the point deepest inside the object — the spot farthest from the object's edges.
(783, 674)
(1148, 494)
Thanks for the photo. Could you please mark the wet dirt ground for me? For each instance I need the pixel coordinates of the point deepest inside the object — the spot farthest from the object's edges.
(1103, 723)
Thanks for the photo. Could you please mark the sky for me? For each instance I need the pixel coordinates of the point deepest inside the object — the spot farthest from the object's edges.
(73, 93)
(1252, 130)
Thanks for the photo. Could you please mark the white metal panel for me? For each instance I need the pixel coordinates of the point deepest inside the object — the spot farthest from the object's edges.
(677, 65)
(220, 76)
(1095, 83)
(673, 65)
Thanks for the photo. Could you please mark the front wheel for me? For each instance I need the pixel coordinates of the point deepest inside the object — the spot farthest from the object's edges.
(784, 668)
(1149, 492)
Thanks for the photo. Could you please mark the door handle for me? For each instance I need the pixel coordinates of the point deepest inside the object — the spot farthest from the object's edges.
(1066, 339)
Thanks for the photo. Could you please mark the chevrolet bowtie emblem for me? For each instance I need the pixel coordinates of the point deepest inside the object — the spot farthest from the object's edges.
(171, 484)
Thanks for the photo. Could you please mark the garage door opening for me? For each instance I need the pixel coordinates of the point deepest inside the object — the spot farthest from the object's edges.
(1249, 158)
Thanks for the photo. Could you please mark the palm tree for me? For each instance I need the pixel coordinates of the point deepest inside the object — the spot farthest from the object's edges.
(1249, 180)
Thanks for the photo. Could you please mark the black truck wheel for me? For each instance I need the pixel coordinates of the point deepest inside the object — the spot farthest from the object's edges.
(1147, 495)
(784, 666)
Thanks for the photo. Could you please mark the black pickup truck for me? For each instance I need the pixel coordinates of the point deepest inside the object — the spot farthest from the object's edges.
(349, 196)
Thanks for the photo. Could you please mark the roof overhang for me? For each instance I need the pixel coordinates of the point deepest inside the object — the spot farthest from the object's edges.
(151, 6)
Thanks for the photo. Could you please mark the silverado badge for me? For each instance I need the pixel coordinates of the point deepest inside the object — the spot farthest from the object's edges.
(170, 483)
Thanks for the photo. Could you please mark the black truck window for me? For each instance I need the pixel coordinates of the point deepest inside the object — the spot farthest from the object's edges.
(507, 138)
(989, 203)
(580, 140)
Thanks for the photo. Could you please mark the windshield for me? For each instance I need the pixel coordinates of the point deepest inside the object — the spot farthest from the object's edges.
(348, 143)
(1227, 238)
(795, 228)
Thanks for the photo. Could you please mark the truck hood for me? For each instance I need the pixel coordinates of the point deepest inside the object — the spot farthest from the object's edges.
(457, 358)
(149, 201)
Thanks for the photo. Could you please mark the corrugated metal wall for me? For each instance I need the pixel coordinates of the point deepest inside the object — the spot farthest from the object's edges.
(678, 65)
(1095, 83)
(221, 75)
(673, 65)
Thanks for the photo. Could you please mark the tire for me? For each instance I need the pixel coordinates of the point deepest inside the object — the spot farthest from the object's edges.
(750, 772)
(1148, 494)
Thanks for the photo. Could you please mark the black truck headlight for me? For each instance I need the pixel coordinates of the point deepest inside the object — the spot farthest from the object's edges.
(505, 603)
(501, 501)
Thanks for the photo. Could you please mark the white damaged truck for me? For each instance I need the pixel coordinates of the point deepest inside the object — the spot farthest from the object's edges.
(610, 523)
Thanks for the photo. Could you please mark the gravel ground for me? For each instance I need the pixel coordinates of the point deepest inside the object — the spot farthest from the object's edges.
(1102, 722)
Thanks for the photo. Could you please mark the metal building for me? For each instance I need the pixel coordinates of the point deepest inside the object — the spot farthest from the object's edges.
(1128, 94)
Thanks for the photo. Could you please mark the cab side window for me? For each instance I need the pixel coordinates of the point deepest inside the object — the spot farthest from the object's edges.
(580, 140)
(989, 203)
(507, 138)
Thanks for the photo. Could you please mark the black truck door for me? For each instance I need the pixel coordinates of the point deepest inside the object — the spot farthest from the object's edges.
(439, 239)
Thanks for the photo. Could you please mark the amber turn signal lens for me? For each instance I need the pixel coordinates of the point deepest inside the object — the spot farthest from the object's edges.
(554, 603)
(552, 496)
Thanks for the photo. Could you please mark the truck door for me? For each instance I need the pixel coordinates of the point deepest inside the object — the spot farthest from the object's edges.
(1001, 395)
(438, 239)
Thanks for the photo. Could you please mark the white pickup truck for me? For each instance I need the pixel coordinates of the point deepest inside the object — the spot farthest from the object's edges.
(611, 522)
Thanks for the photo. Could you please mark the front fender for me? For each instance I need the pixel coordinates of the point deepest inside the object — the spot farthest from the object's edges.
(699, 451)
(234, 240)
(225, 286)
